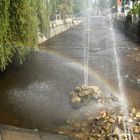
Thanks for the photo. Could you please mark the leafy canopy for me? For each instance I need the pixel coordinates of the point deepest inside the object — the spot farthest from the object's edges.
(20, 22)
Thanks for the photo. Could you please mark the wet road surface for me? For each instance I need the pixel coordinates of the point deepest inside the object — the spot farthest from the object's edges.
(36, 94)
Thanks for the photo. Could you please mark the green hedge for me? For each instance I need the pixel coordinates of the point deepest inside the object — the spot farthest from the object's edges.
(20, 22)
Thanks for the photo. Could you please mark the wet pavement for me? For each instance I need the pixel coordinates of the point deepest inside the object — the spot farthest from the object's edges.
(36, 94)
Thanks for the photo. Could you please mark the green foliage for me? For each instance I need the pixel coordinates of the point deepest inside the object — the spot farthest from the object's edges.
(23, 22)
(61, 6)
(136, 9)
(5, 50)
(43, 15)
(66, 6)
(78, 5)
(20, 22)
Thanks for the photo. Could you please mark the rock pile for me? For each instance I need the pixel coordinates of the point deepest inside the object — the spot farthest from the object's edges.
(82, 95)
(106, 124)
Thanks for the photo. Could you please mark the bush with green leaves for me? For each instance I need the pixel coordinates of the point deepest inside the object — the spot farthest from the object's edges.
(20, 22)
(136, 9)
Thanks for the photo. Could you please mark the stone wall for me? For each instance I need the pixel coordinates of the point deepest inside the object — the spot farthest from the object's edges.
(57, 27)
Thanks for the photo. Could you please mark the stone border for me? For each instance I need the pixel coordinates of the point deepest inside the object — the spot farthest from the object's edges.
(57, 27)
(15, 133)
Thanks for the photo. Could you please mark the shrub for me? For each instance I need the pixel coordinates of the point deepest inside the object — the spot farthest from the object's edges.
(136, 9)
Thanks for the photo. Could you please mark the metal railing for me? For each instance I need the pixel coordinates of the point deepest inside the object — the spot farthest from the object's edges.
(135, 19)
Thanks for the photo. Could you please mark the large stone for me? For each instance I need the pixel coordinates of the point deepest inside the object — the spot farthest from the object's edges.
(76, 99)
(86, 92)
(84, 87)
(96, 90)
(111, 120)
(100, 101)
(114, 98)
(76, 125)
(133, 110)
(116, 131)
(138, 114)
(82, 95)
(136, 129)
(73, 94)
(130, 120)
(119, 119)
(123, 136)
(103, 113)
(77, 89)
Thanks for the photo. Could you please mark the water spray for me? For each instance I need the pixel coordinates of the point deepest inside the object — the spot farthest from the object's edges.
(124, 105)
(86, 44)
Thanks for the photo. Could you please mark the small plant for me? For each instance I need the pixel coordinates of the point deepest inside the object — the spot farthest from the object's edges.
(136, 9)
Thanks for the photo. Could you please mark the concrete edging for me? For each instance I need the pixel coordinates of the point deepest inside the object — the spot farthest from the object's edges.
(14, 133)
(57, 27)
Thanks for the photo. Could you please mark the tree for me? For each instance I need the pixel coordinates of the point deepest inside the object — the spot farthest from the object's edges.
(67, 6)
(105, 4)
(78, 6)
(20, 22)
